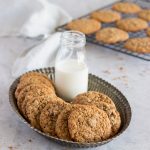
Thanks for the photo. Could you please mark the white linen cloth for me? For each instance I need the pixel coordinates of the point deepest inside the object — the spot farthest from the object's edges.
(40, 56)
(37, 18)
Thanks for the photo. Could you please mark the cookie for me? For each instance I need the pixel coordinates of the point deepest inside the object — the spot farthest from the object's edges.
(32, 80)
(34, 107)
(132, 24)
(38, 89)
(87, 26)
(115, 120)
(61, 128)
(33, 74)
(148, 31)
(139, 45)
(89, 124)
(112, 113)
(111, 35)
(144, 14)
(106, 16)
(49, 116)
(126, 7)
(113, 116)
(93, 98)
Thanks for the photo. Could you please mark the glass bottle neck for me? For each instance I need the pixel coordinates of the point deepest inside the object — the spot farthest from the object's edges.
(73, 40)
(72, 47)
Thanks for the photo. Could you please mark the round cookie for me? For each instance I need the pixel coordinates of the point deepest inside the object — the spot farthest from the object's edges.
(132, 24)
(106, 16)
(35, 74)
(139, 45)
(49, 116)
(87, 26)
(126, 7)
(89, 124)
(148, 31)
(32, 80)
(36, 89)
(112, 113)
(113, 116)
(34, 107)
(93, 98)
(61, 128)
(144, 14)
(111, 35)
(98, 102)
(115, 121)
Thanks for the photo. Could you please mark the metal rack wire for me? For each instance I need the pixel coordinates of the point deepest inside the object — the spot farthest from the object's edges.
(119, 47)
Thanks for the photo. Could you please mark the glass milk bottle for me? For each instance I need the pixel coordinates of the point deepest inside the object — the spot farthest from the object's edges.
(71, 71)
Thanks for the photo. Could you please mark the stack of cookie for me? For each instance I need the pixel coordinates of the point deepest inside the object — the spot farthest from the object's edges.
(91, 117)
(118, 26)
(33, 93)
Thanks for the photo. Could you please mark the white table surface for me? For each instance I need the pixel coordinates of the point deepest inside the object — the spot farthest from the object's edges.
(129, 74)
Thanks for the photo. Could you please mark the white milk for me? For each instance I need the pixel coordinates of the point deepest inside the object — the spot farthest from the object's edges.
(71, 78)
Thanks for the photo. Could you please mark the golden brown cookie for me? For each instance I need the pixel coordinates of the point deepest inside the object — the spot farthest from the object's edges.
(148, 31)
(37, 89)
(126, 7)
(89, 124)
(106, 16)
(145, 14)
(87, 26)
(111, 35)
(32, 80)
(34, 107)
(61, 128)
(113, 116)
(115, 120)
(112, 113)
(93, 98)
(35, 74)
(30, 96)
(132, 24)
(139, 45)
(49, 116)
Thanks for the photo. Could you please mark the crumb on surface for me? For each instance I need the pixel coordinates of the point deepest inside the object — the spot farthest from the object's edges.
(30, 140)
(121, 68)
(107, 72)
(10, 148)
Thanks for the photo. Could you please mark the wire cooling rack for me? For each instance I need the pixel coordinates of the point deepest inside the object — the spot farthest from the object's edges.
(119, 47)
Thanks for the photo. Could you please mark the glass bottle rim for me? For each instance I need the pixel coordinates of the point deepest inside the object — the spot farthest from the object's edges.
(73, 38)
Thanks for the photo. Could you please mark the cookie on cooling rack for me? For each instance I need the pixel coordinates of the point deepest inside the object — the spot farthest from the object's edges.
(106, 16)
(111, 35)
(139, 45)
(132, 24)
(89, 124)
(145, 14)
(49, 115)
(126, 7)
(87, 26)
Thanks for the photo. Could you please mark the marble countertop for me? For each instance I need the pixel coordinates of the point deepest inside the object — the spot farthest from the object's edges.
(128, 74)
